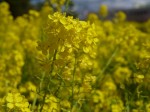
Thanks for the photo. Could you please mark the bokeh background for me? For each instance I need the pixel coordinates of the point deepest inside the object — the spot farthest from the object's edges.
(136, 10)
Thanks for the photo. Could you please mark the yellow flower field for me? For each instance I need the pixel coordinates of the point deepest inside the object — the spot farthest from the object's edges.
(51, 62)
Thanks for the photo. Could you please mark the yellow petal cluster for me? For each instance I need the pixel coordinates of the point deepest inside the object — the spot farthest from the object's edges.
(15, 101)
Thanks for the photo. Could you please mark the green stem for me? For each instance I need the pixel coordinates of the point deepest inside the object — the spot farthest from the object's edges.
(35, 99)
(34, 102)
(53, 60)
(101, 75)
(43, 101)
(51, 71)
(127, 102)
(67, 5)
(72, 86)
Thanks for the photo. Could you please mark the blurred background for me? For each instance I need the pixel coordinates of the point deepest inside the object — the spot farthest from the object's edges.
(136, 10)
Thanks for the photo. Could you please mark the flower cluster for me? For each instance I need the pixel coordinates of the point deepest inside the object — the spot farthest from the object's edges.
(14, 101)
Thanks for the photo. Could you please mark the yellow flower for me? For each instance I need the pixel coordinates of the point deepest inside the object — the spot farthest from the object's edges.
(148, 107)
(51, 104)
(122, 74)
(116, 108)
(16, 101)
(138, 78)
(103, 11)
(120, 16)
(98, 96)
(92, 17)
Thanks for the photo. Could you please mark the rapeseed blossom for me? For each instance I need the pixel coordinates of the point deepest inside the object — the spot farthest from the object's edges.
(16, 102)
(103, 11)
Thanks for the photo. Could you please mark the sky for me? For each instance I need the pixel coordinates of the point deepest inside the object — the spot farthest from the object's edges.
(110, 3)
(113, 3)
(83, 6)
